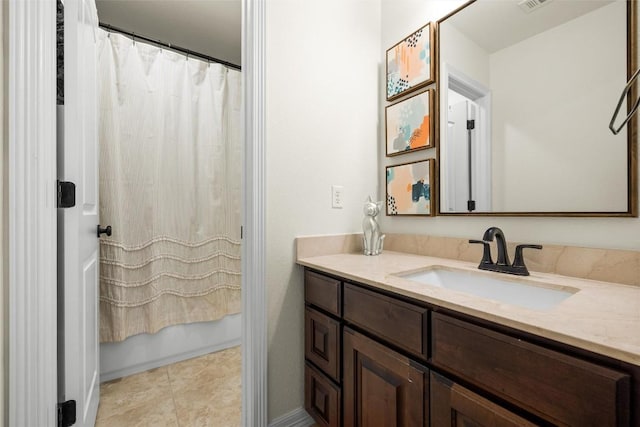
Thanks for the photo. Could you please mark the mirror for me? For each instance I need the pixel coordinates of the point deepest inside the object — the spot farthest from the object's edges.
(525, 98)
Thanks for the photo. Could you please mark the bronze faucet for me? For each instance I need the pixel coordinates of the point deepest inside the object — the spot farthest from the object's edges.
(502, 265)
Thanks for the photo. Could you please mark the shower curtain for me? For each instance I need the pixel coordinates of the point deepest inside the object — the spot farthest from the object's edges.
(170, 187)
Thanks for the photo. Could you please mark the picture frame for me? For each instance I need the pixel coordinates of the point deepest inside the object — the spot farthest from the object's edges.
(410, 62)
(409, 124)
(410, 189)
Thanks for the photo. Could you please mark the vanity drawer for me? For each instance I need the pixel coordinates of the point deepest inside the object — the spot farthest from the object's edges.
(322, 399)
(322, 342)
(322, 291)
(400, 323)
(554, 386)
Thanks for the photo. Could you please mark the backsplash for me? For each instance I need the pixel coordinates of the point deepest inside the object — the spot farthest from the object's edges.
(310, 246)
(608, 265)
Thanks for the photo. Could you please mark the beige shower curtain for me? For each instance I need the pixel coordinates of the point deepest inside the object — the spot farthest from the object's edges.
(170, 186)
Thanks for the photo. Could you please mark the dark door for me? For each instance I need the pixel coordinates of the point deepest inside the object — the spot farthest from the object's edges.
(454, 405)
(382, 387)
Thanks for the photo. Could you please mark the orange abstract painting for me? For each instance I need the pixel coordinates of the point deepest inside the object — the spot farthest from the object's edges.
(409, 188)
(408, 124)
(409, 63)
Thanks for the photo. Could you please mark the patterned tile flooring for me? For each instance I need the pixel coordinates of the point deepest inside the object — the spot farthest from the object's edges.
(200, 392)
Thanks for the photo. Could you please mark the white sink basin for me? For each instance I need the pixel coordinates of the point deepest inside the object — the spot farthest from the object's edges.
(529, 295)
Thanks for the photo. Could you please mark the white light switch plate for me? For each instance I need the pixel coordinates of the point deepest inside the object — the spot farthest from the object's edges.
(337, 193)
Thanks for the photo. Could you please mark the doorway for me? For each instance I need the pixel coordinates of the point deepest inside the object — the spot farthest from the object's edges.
(170, 155)
(32, 247)
(466, 145)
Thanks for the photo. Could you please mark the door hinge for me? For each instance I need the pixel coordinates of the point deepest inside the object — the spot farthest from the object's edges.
(471, 124)
(67, 413)
(66, 194)
(241, 232)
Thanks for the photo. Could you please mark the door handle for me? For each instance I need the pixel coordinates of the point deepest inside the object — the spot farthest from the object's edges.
(106, 230)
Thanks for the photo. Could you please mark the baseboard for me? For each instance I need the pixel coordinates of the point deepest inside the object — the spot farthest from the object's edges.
(296, 418)
(157, 363)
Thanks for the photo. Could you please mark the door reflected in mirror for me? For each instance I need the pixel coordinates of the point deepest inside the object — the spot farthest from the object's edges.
(525, 98)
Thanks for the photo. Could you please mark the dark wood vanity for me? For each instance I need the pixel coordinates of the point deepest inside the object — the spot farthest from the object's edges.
(375, 358)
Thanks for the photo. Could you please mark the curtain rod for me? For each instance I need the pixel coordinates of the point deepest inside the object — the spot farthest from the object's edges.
(135, 36)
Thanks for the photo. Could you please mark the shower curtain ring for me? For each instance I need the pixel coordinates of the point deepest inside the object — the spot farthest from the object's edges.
(134, 38)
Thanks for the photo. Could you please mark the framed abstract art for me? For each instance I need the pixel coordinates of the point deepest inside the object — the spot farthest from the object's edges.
(410, 188)
(408, 124)
(410, 63)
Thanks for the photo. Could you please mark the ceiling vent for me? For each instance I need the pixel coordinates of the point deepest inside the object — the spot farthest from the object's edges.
(531, 5)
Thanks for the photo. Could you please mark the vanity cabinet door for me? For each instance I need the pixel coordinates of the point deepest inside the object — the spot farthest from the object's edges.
(322, 342)
(322, 398)
(382, 387)
(454, 405)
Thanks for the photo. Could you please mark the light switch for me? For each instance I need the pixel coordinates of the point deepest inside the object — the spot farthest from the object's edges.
(337, 193)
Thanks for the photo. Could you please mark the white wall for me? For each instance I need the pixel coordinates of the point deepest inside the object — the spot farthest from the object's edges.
(400, 16)
(323, 60)
(590, 53)
(464, 54)
(209, 27)
(3, 209)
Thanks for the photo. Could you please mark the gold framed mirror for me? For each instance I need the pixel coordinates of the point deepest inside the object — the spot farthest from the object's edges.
(524, 100)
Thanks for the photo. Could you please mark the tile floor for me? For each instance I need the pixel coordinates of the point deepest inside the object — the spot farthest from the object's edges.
(200, 392)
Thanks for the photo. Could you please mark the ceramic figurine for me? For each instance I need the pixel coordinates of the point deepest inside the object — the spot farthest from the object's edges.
(373, 240)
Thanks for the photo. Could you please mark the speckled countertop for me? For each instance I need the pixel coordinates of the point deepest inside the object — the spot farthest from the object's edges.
(601, 317)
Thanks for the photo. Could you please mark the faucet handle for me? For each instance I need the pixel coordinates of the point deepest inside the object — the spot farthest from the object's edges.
(518, 261)
(486, 252)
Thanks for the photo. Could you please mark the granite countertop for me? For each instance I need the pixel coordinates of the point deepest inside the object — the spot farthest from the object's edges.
(600, 316)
